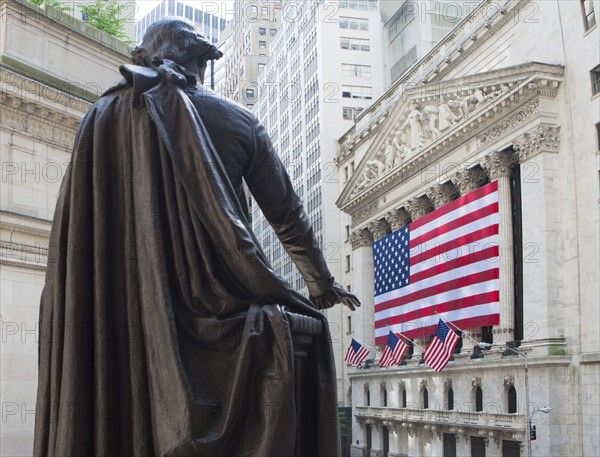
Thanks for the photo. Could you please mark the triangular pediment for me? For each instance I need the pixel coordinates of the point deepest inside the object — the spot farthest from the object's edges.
(431, 119)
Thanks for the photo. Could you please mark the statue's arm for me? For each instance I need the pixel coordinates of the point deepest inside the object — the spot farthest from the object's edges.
(272, 190)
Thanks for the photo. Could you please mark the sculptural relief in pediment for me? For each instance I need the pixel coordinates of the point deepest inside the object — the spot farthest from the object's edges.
(422, 122)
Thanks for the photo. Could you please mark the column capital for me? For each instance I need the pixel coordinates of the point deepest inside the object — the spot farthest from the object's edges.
(499, 164)
(360, 238)
(397, 218)
(442, 194)
(468, 180)
(379, 228)
(418, 207)
(544, 138)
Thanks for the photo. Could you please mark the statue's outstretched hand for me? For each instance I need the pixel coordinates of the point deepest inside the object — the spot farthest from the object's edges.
(336, 294)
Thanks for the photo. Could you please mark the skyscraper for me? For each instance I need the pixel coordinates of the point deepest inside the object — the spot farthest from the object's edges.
(211, 24)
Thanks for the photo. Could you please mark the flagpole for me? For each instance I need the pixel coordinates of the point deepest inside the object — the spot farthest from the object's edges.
(405, 337)
(456, 328)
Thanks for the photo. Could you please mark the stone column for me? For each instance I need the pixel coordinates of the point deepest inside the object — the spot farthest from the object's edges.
(544, 257)
(418, 207)
(467, 181)
(363, 287)
(499, 166)
(397, 218)
(379, 229)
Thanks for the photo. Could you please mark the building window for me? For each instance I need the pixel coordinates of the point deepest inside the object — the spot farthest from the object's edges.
(355, 44)
(350, 113)
(265, 10)
(367, 396)
(511, 448)
(354, 23)
(360, 92)
(424, 398)
(477, 446)
(357, 71)
(349, 325)
(589, 16)
(450, 399)
(385, 397)
(261, 67)
(262, 44)
(403, 397)
(598, 134)
(596, 80)
(512, 399)
(347, 263)
(478, 399)
(449, 445)
(249, 93)
(272, 32)
(179, 9)
(262, 31)
(249, 105)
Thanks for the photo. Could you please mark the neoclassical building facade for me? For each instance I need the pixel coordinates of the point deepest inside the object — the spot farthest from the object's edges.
(506, 97)
(51, 69)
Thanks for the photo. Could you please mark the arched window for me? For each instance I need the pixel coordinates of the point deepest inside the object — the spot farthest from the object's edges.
(478, 399)
(425, 398)
(385, 397)
(450, 399)
(512, 399)
(403, 397)
(368, 397)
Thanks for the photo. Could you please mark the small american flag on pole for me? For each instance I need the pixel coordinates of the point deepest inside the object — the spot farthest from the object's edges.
(444, 264)
(394, 351)
(356, 353)
(439, 351)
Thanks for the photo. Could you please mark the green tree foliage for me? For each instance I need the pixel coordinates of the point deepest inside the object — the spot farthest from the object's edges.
(106, 15)
(58, 4)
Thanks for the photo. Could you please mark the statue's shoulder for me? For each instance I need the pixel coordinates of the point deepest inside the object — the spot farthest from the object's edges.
(211, 103)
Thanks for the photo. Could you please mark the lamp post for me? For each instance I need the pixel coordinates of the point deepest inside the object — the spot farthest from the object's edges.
(545, 409)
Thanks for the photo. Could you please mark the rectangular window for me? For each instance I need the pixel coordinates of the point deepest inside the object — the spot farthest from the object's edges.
(261, 67)
(349, 325)
(347, 263)
(262, 31)
(189, 12)
(198, 16)
(355, 44)
(350, 113)
(359, 92)
(265, 11)
(358, 71)
(179, 9)
(589, 15)
(596, 80)
(272, 32)
(598, 134)
(354, 23)
(249, 93)
(262, 44)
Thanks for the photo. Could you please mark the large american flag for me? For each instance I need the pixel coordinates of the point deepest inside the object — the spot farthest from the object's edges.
(393, 352)
(439, 351)
(445, 263)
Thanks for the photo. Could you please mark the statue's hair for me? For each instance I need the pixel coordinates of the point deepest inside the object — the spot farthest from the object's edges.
(175, 39)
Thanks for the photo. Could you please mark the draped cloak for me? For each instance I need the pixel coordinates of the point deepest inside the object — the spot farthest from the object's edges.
(162, 330)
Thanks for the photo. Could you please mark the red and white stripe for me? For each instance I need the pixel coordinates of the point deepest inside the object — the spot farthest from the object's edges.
(356, 358)
(454, 270)
(438, 353)
(389, 357)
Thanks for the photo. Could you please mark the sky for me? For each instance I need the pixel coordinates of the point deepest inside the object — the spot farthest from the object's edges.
(217, 6)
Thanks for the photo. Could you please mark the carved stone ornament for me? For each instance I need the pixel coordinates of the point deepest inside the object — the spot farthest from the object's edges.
(499, 164)
(418, 207)
(447, 383)
(508, 124)
(422, 383)
(366, 386)
(442, 194)
(476, 381)
(364, 213)
(379, 229)
(469, 180)
(509, 381)
(401, 385)
(398, 218)
(544, 138)
(361, 238)
(382, 386)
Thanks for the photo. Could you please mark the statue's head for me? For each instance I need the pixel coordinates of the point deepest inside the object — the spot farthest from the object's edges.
(179, 40)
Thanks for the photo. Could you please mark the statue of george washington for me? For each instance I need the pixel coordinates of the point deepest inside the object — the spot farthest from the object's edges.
(163, 328)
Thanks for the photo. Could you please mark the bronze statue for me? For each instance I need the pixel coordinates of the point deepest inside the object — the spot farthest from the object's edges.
(162, 329)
